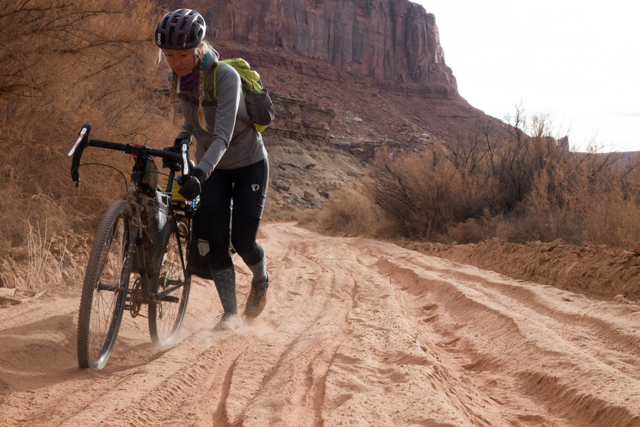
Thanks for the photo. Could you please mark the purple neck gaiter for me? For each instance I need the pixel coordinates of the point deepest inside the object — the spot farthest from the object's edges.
(190, 81)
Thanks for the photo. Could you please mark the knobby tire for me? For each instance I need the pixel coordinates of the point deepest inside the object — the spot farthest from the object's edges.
(105, 286)
(165, 317)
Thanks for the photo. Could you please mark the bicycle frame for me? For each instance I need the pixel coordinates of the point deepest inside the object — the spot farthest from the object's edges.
(143, 185)
(146, 268)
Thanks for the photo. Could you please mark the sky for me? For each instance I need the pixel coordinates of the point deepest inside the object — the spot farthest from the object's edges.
(576, 61)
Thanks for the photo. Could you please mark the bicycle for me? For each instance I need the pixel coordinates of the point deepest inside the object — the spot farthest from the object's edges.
(145, 236)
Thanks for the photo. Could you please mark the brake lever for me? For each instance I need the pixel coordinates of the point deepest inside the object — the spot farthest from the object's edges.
(76, 152)
(185, 160)
(83, 131)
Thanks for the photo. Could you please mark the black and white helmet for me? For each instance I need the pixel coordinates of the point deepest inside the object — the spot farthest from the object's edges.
(180, 29)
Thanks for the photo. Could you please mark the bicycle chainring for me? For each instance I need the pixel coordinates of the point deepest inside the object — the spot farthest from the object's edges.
(136, 298)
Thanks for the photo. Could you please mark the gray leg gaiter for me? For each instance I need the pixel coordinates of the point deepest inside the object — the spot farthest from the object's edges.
(225, 281)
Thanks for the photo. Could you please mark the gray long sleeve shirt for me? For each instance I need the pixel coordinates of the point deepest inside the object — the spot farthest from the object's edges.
(214, 147)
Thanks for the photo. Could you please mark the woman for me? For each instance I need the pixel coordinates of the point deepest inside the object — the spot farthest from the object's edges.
(232, 160)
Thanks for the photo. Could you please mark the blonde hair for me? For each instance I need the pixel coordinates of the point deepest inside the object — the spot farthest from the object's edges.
(201, 51)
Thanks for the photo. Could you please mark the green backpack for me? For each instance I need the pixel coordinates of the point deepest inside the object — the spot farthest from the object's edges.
(256, 97)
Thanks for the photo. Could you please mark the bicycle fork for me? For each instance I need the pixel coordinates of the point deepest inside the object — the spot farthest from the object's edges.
(142, 293)
(174, 284)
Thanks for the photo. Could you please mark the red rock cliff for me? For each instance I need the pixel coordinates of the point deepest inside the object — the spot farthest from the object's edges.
(389, 40)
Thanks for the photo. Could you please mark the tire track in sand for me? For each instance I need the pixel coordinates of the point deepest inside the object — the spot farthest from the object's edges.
(525, 344)
(356, 332)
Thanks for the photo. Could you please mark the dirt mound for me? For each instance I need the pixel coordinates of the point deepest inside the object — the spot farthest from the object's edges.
(596, 271)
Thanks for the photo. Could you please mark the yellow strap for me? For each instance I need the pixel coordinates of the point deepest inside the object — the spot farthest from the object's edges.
(215, 74)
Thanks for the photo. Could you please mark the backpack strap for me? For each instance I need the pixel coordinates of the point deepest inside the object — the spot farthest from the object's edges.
(214, 102)
(215, 79)
(210, 88)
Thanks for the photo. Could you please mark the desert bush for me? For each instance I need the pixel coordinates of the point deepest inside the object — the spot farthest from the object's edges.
(475, 230)
(589, 196)
(350, 213)
(65, 63)
(308, 216)
(424, 194)
(608, 201)
(528, 187)
(468, 231)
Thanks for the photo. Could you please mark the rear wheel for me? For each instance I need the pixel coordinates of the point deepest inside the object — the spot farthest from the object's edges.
(166, 316)
(105, 287)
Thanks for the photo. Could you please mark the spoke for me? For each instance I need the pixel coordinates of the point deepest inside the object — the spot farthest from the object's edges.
(108, 288)
(172, 274)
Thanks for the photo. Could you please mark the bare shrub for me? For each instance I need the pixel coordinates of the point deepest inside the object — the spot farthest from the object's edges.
(65, 63)
(504, 230)
(495, 226)
(550, 210)
(590, 196)
(38, 253)
(423, 194)
(605, 200)
(475, 230)
(529, 187)
(350, 213)
(278, 212)
(468, 231)
(308, 216)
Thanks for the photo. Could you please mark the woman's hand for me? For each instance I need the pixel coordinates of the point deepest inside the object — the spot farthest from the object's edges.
(191, 187)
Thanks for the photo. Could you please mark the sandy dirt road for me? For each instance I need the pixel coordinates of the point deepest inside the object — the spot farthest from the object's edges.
(356, 332)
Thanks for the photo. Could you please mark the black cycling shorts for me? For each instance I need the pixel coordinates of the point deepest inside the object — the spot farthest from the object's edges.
(247, 186)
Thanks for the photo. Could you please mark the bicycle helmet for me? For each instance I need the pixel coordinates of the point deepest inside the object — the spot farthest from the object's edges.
(180, 29)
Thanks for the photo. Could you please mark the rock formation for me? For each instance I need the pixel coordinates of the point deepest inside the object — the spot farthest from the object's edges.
(347, 77)
(395, 41)
(300, 120)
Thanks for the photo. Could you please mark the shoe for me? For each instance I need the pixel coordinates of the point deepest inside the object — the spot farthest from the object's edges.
(257, 299)
(228, 321)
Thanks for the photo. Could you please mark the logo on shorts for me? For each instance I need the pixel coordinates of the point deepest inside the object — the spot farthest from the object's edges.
(255, 187)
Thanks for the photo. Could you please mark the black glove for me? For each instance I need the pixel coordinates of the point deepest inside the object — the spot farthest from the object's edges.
(176, 148)
(191, 187)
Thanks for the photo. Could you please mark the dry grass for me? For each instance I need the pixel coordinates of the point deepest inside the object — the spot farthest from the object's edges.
(308, 216)
(38, 253)
(40, 273)
(424, 194)
(527, 188)
(351, 213)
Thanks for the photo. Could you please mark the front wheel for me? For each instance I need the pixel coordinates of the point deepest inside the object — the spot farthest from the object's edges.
(105, 287)
(166, 316)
